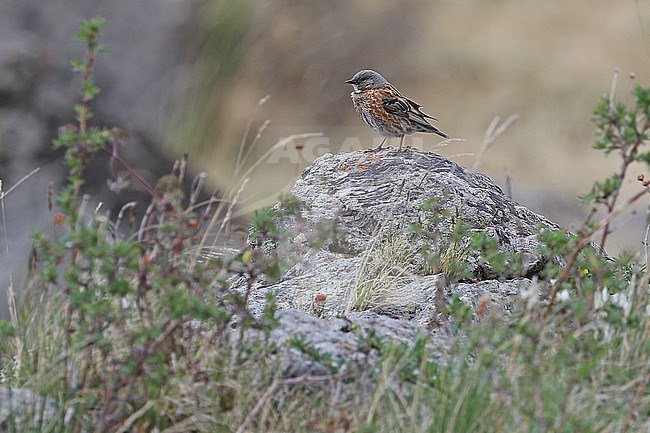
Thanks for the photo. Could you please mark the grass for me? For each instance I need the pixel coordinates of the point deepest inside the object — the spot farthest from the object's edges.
(386, 269)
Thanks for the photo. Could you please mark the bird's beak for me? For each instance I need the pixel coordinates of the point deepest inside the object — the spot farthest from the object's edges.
(350, 81)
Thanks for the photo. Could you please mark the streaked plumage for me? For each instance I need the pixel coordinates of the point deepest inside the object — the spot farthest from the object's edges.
(385, 110)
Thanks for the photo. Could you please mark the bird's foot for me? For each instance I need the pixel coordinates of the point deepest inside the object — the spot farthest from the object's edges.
(378, 148)
(400, 150)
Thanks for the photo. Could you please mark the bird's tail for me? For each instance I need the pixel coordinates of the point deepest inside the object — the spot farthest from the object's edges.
(434, 130)
(418, 119)
(423, 126)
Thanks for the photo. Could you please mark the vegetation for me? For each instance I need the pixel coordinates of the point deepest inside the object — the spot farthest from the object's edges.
(135, 327)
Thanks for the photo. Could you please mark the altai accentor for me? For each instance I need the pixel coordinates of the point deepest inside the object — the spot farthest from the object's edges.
(385, 110)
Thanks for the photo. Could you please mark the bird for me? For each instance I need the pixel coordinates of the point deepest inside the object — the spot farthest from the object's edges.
(382, 107)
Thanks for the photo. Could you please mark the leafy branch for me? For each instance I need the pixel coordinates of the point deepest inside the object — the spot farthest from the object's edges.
(624, 131)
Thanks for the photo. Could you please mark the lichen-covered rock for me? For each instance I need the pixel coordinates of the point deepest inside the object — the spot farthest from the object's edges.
(370, 192)
(368, 196)
(358, 251)
(315, 346)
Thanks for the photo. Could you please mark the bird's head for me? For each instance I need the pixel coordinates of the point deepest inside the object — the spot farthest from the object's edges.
(366, 79)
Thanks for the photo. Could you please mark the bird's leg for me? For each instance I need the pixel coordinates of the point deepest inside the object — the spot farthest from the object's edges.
(378, 148)
(401, 142)
(381, 144)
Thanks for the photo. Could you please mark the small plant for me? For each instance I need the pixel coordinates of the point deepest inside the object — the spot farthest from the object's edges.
(319, 304)
(386, 269)
(619, 130)
(453, 260)
(493, 261)
(117, 322)
(623, 131)
(446, 250)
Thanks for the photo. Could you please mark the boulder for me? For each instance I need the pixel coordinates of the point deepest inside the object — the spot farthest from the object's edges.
(380, 234)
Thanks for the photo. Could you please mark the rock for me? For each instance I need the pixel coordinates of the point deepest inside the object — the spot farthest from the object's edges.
(369, 191)
(392, 239)
(309, 345)
(369, 195)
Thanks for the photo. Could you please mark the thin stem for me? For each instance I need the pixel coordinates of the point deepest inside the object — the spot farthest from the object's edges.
(87, 70)
(131, 171)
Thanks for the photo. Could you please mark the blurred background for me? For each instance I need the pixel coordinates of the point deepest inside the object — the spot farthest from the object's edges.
(188, 76)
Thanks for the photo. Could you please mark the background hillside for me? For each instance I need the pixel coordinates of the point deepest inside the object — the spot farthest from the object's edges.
(464, 61)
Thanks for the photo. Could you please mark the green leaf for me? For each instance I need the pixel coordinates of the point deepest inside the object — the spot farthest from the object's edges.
(78, 65)
(89, 89)
(644, 157)
(90, 29)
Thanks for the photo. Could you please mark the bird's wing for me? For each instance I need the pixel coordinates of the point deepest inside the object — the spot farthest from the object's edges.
(406, 108)
(417, 107)
(398, 106)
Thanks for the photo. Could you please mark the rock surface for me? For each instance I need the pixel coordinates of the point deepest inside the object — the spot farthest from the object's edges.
(345, 343)
(371, 261)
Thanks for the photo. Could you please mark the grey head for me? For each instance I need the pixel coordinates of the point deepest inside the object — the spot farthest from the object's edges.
(366, 79)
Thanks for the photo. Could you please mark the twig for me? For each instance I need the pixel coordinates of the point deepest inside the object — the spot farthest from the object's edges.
(97, 208)
(85, 199)
(645, 244)
(628, 152)
(134, 417)
(491, 134)
(182, 168)
(207, 203)
(197, 186)
(612, 90)
(130, 169)
(245, 137)
(23, 179)
(120, 216)
(86, 98)
(145, 218)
